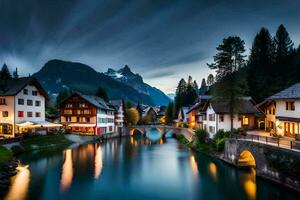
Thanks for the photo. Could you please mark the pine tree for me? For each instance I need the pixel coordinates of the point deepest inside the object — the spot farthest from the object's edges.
(4, 73)
(261, 71)
(229, 57)
(230, 87)
(102, 94)
(196, 87)
(283, 42)
(210, 80)
(180, 95)
(169, 113)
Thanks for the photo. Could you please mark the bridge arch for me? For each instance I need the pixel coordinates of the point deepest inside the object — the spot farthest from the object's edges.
(136, 130)
(246, 159)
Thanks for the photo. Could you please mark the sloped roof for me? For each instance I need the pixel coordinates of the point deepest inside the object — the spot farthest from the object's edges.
(203, 99)
(245, 106)
(14, 86)
(292, 92)
(94, 100)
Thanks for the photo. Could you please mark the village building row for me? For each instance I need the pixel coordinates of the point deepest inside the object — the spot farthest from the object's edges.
(278, 114)
(22, 110)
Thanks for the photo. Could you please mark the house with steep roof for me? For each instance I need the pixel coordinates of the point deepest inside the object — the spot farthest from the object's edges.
(118, 107)
(282, 112)
(182, 118)
(22, 107)
(214, 115)
(87, 115)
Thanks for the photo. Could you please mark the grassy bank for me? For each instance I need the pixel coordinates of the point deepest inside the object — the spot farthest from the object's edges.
(40, 143)
(204, 144)
(5, 155)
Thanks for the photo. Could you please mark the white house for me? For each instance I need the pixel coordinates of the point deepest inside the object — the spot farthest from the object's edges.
(118, 107)
(22, 107)
(183, 115)
(282, 111)
(214, 115)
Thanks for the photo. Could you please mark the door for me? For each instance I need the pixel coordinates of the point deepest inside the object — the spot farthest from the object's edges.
(287, 129)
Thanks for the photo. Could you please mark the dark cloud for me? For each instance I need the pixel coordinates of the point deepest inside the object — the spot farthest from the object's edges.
(155, 37)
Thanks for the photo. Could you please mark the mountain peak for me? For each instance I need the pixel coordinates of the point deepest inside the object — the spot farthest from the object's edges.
(125, 70)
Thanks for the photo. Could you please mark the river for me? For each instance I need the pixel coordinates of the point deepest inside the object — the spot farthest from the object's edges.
(135, 168)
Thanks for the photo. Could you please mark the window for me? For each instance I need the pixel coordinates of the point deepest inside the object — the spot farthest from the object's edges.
(21, 101)
(211, 129)
(29, 114)
(245, 121)
(221, 118)
(20, 113)
(211, 117)
(68, 112)
(290, 105)
(273, 111)
(37, 114)
(68, 119)
(110, 128)
(204, 117)
(69, 105)
(34, 93)
(5, 114)
(25, 91)
(37, 103)
(2, 101)
(29, 102)
(82, 105)
(87, 119)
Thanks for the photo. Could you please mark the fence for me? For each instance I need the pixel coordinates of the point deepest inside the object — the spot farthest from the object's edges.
(283, 142)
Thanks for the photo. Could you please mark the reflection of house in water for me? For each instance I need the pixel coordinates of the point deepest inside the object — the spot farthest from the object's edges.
(20, 183)
(98, 162)
(67, 171)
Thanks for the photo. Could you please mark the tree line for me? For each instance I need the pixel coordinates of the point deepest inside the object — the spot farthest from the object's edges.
(272, 65)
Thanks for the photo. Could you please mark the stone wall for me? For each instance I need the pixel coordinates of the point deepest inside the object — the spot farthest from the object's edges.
(276, 164)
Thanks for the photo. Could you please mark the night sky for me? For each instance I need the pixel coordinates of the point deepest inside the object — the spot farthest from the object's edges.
(163, 40)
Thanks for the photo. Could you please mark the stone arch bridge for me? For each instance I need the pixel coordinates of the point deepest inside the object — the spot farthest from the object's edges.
(271, 162)
(163, 129)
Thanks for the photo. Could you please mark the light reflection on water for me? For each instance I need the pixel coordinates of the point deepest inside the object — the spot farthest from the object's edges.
(20, 183)
(134, 168)
(67, 171)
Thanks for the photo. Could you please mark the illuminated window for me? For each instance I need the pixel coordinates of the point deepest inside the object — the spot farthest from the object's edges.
(245, 121)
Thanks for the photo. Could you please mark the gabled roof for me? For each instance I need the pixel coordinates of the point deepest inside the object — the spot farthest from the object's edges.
(292, 92)
(202, 100)
(245, 106)
(14, 86)
(94, 100)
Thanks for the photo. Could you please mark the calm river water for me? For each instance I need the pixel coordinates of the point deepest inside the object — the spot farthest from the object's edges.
(130, 168)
